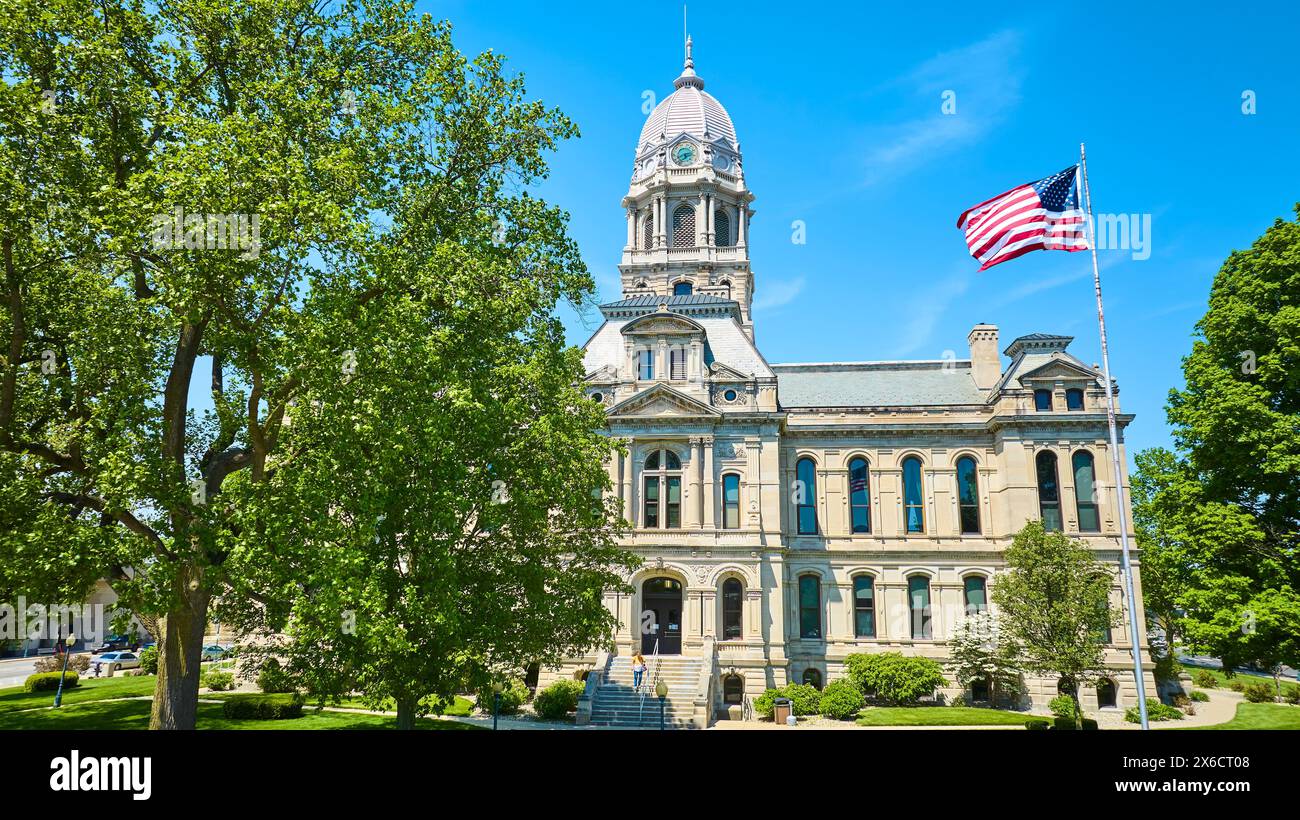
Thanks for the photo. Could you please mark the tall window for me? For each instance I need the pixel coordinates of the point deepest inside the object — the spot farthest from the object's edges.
(677, 363)
(859, 496)
(683, 289)
(1105, 693)
(864, 607)
(913, 509)
(1043, 401)
(977, 599)
(806, 496)
(1085, 492)
(1074, 399)
(648, 232)
(810, 607)
(684, 227)
(731, 501)
(968, 496)
(645, 365)
(918, 595)
(662, 500)
(721, 228)
(732, 606)
(1049, 492)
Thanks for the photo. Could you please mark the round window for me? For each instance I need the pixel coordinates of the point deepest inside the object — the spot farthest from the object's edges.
(597, 397)
(730, 395)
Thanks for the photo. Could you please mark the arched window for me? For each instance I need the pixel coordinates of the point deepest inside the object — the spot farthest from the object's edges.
(648, 232)
(918, 595)
(726, 283)
(733, 689)
(1043, 401)
(733, 601)
(979, 690)
(1105, 694)
(1074, 399)
(864, 607)
(810, 606)
(683, 289)
(731, 501)
(805, 494)
(859, 496)
(968, 496)
(684, 227)
(721, 228)
(812, 677)
(1049, 491)
(977, 599)
(913, 509)
(1085, 492)
(662, 499)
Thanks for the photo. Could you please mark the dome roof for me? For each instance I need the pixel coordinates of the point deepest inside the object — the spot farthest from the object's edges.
(688, 110)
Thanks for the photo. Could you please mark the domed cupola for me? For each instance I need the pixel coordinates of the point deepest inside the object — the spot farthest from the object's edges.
(691, 112)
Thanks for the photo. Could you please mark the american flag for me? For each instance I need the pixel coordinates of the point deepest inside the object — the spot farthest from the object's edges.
(1038, 216)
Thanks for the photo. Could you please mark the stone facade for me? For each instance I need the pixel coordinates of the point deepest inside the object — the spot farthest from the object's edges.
(715, 438)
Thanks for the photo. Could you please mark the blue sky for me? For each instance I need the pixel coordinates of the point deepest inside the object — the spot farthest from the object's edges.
(838, 111)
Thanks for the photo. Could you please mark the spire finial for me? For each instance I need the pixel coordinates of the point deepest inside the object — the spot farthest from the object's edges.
(688, 76)
(689, 62)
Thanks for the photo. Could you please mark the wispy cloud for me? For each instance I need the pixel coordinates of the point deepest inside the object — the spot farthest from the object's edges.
(776, 294)
(925, 312)
(985, 78)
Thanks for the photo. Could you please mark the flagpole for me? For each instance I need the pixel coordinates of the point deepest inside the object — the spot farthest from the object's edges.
(1130, 598)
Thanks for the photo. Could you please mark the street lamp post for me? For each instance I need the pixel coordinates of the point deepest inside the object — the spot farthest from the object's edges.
(661, 689)
(67, 653)
(496, 703)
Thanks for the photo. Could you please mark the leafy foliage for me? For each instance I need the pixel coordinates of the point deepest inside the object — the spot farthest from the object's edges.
(557, 700)
(1155, 711)
(514, 694)
(890, 677)
(805, 699)
(1205, 679)
(272, 678)
(1063, 706)
(217, 681)
(49, 681)
(54, 663)
(149, 660)
(841, 700)
(981, 650)
(262, 707)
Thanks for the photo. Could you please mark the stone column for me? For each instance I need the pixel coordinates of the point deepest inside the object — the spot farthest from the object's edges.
(629, 483)
(702, 222)
(708, 480)
(631, 228)
(697, 480)
(742, 223)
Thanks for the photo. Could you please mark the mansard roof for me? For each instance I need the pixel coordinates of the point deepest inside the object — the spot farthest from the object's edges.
(877, 384)
(725, 341)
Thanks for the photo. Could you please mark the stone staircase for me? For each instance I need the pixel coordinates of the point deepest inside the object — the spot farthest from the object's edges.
(618, 704)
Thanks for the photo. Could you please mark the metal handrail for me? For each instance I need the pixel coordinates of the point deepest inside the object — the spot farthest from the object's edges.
(654, 656)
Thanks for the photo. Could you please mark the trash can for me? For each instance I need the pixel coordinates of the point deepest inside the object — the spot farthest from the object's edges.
(781, 711)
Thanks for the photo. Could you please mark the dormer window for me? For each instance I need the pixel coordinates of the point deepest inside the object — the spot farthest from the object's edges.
(1043, 401)
(1074, 399)
(683, 289)
(646, 365)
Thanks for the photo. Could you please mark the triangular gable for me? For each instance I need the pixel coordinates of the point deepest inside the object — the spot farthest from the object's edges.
(723, 372)
(1059, 368)
(603, 373)
(661, 400)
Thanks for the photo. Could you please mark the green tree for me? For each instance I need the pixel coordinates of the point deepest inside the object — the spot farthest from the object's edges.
(1054, 600)
(980, 649)
(1220, 518)
(354, 135)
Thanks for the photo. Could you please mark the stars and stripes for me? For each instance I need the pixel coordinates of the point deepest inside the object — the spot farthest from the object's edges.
(1043, 215)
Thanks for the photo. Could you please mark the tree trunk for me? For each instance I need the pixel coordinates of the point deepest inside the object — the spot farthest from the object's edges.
(1078, 706)
(406, 713)
(180, 645)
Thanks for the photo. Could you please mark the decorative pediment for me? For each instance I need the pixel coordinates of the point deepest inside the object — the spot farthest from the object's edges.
(725, 373)
(1058, 369)
(661, 400)
(604, 373)
(662, 322)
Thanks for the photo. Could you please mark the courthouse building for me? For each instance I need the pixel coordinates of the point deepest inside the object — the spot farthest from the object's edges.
(789, 515)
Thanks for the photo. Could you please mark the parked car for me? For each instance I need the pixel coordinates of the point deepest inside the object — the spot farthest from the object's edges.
(213, 652)
(114, 642)
(114, 661)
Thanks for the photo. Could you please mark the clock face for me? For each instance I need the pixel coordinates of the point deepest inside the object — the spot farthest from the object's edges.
(684, 154)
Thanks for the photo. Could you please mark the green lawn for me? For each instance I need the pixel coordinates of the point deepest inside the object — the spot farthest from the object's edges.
(1244, 677)
(134, 714)
(88, 689)
(938, 716)
(460, 708)
(1258, 716)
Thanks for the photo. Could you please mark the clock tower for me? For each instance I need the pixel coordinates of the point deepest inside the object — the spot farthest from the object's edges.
(687, 205)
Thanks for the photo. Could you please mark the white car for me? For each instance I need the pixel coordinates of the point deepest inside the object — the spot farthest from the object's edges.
(114, 661)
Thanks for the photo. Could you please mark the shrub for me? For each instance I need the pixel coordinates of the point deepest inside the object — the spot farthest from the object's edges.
(1089, 724)
(558, 699)
(1198, 696)
(1167, 668)
(149, 660)
(1062, 706)
(1292, 695)
(764, 703)
(805, 699)
(1155, 711)
(1036, 724)
(217, 681)
(893, 678)
(262, 707)
(49, 681)
(54, 663)
(513, 695)
(273, 679)
(1237, 685)
(841, 700)
(1205, 679)
(1259, 693)
(1181, 701)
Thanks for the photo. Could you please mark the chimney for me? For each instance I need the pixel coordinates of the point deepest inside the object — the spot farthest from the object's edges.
(986, 365)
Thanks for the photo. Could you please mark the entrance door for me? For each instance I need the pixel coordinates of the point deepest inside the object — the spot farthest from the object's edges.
(661, 616)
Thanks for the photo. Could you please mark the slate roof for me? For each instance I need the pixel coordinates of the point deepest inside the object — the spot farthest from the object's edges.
(724, 342)
(877, 384)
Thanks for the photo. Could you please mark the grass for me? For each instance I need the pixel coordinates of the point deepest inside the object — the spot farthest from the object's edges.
(1244, 677)
(461, 707)
(88, 689)
(1258, 716)
(938, 716)
(134, 714)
